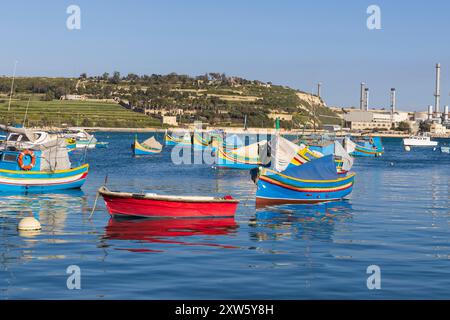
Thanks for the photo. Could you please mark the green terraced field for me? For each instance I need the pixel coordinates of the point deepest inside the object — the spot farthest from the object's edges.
(73, 113)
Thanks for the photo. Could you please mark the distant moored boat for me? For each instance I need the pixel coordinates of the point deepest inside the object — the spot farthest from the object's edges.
(423, 140)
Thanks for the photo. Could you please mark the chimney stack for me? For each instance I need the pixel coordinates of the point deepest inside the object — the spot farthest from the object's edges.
(366, 99)
(362, 97)
(437, 94)
(430, 112)
(319, 85)
(393, 100)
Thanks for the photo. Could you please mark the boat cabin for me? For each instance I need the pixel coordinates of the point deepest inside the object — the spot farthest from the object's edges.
(44, 153)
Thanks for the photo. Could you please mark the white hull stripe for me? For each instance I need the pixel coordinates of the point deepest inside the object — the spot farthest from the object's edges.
(31, 182)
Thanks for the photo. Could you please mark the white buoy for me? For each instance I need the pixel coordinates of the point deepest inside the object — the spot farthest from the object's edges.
(407, 148)
(29, 224)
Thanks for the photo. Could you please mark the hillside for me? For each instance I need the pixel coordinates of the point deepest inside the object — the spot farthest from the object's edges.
(211, 98)
(73, 113)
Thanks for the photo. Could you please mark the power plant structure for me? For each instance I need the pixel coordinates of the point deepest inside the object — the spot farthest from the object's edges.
(393, 100)
(366, 99)
(361, 97)
(437, 94)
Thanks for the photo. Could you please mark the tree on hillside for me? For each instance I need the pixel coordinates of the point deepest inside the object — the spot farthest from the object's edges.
(115, 78)
(105, 76)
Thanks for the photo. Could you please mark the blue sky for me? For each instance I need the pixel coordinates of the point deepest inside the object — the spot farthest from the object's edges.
(295, 43)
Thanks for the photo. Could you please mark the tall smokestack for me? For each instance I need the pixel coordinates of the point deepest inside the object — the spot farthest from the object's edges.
(362, 99)
(366, 99)
(437, 94)
(319, 85)
(393, 100)
(430, 112)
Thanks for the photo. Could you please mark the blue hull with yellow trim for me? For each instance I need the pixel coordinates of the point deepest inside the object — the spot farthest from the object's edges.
(368, 148)
(140, 150)
(321, 183)
(35, 181)
(230, 161)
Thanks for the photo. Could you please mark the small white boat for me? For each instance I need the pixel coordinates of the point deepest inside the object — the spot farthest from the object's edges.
(423, 140)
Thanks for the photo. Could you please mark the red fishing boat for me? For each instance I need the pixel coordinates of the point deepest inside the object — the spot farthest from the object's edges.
(157, 206)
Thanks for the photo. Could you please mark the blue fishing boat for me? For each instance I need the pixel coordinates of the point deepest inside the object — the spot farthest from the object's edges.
(148, 147)
(312, 181)
(365, 147)
(37, 162)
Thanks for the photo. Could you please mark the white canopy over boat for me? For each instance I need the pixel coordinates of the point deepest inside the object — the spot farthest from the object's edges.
(250, 151)
(152, 143)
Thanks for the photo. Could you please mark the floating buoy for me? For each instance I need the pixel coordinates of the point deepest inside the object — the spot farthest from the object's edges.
(407, 148)
(29, 224)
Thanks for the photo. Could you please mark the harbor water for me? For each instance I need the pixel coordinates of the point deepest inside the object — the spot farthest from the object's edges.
(397, 218)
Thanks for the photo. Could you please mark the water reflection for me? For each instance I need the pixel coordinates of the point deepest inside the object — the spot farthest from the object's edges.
(310, 222)
(20, 247)
(50, 209)
(168, 231)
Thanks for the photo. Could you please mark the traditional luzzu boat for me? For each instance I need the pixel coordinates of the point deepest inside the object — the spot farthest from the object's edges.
(149, 146)
(171, 140)
(366, 147)
(244, 158)
(228, 144)
(201, 141)
(83, 139)
(328, 148)
(151, 205)
(32, 161)
(314, 181)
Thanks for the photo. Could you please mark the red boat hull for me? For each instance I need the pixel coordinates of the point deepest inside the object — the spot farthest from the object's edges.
(174, 209)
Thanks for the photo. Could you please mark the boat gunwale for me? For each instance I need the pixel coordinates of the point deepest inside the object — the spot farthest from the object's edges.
(86, 165)
(144, 196)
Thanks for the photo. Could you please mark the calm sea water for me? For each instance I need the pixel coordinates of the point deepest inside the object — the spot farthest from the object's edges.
(397, 218)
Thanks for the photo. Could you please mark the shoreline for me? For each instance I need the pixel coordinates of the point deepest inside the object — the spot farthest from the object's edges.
(255, 131)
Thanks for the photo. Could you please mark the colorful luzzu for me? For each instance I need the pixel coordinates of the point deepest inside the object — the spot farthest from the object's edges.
(172, 140)
(148, 147)
(37, 162)
(366, 147)
(245, 158)
(296, 176)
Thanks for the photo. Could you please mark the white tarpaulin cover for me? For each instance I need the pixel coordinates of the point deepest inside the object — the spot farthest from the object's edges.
(152, 143)
(54, 155)
(282, 152)
(349, 145)
(250, 151)
(339, 151)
